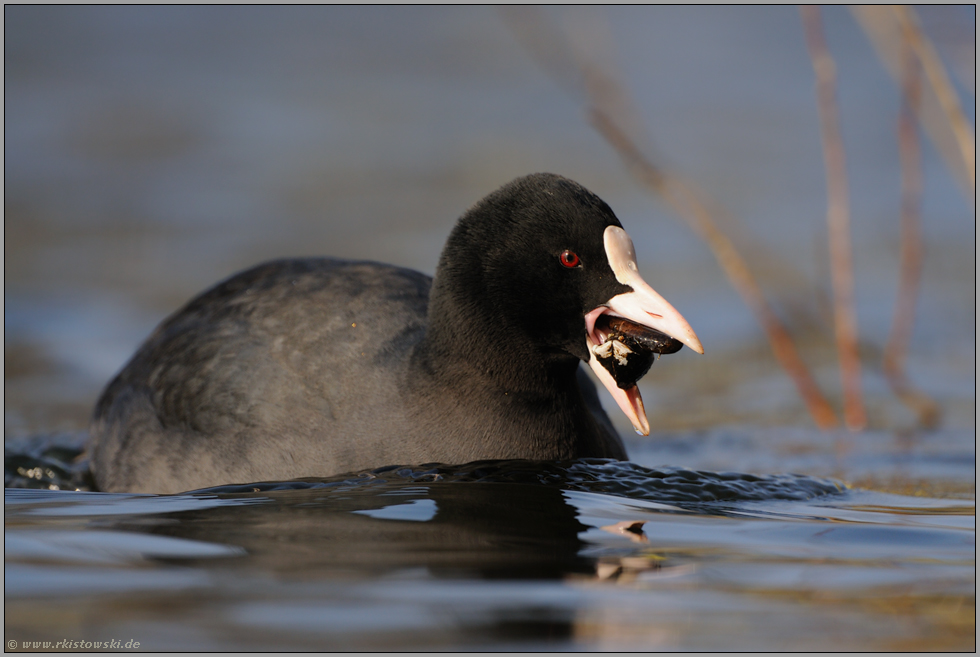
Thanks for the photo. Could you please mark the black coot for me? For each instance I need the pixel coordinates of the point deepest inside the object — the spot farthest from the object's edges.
(311, 367)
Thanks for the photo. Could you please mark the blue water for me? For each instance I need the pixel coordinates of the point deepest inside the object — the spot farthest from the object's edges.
(588, 554)
(488, 566)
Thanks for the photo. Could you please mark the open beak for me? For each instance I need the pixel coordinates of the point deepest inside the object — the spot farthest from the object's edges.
(642, 305)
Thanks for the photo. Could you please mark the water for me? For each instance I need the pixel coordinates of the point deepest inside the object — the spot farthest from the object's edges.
(589, 554)
(509, 555)
(151, 152)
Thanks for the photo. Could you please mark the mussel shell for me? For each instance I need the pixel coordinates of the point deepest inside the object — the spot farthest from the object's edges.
(626, 375)
(631, 333)
(643, 344)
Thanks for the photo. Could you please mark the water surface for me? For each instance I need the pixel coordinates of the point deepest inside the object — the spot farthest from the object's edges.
(588, 554)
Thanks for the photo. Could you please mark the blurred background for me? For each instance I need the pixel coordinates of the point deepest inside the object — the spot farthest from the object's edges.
(152, 151)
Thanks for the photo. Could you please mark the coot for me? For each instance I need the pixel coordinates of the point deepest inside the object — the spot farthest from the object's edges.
(312, 367)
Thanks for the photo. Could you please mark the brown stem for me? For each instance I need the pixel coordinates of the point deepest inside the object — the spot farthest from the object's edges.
(612, 114)
(686, 202)
(838, 220)
(892, 29)
(936, 75)
(897, 346)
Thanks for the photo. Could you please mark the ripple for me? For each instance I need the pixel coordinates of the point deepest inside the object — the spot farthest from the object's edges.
(57, 463)
(621, 478)
(49, 462)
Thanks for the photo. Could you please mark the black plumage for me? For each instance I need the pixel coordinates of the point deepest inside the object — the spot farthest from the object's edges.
(312, 367)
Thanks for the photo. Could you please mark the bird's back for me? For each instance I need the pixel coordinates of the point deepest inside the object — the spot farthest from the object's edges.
(257, 377)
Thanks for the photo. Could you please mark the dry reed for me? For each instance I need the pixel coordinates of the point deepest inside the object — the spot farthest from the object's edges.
(910, 263)
(838, 220)
(611, 113)
(890, 27)
(927, 93)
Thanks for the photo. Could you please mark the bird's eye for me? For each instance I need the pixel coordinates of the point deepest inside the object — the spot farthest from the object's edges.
(569, 259)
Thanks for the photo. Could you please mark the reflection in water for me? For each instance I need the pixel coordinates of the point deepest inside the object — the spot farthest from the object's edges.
(496, 555)
(489, 531)
(500, 565)
(483, 530)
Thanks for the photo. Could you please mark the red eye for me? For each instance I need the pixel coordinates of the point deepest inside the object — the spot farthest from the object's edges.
(569, 259)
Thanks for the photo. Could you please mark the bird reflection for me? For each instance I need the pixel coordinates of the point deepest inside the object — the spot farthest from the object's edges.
(488, 530)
